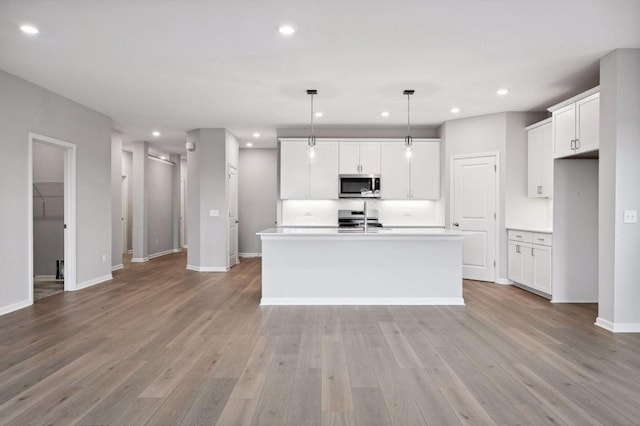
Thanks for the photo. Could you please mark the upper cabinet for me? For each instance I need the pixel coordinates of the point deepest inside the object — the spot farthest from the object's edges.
(303, 177)
(359, 158)
(576, 124)
(414, 178)
(540, 159)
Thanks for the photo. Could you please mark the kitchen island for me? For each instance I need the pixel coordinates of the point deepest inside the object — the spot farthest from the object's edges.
(331, 266)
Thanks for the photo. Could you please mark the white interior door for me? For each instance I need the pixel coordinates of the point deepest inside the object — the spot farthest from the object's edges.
(182, 225)
(474, 212)
(125, 212)
(233, 216)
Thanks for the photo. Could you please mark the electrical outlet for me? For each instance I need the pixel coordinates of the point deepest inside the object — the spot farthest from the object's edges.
(214, 213)
(630, 216)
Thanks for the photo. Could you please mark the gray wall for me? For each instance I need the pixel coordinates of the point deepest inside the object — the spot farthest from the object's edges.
(26, 108)
(116, 199)
(48, 212)
(258, 196)
(160, 208)
(127, 170)
(619, 175)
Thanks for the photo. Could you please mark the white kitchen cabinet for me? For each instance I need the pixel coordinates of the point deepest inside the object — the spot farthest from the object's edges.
(415, 178)
(529, 264)
(540, 160)
(576, 125)
(304, 178)
(360, 158)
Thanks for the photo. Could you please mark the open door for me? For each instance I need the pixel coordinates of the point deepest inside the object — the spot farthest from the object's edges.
(233, 216)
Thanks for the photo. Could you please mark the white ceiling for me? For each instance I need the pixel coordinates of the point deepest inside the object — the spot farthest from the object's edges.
(180, 65)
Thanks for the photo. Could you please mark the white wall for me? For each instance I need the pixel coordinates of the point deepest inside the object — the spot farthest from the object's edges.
(26, 108)
(48, 211)
(183, 201)
(159, 193)
(257, 196)
(127, 170)
(619, 269)
(116, 199)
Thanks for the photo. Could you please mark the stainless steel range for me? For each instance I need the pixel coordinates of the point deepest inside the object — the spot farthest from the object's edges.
(355, 219)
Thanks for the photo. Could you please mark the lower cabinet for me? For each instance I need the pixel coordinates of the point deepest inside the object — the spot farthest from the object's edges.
(529, 260)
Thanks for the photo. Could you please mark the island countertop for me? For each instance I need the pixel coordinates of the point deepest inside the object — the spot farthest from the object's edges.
(372, 232)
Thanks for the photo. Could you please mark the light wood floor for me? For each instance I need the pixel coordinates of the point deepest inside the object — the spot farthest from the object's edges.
(162, 345)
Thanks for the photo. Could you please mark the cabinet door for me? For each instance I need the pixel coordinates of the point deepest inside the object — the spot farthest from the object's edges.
(370, 158)
(349, 158)
(588, 116)
(534, 163)
(294, 170)
(323, 172)
(394, 171)
(546, 160)
(542, 268)
(526, 251)
(514, 262)
(564, 130)
(425, 171)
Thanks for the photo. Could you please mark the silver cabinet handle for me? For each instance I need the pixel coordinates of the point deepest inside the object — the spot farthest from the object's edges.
(573, 144)
(517, 249)
(577, 144)
(540, 239)
(532, 253)
(539, 189)
(518, 236)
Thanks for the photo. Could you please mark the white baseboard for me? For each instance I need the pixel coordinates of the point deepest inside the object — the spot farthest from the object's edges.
(139, 259)
(250, 254)
(159, 254)
(572, 301)
(618, 327)
(177, 250)
(14, 307)
(185, 246)
(207, 268)
(130, 251)
(45, 278)
(117, 267)
(293, 301)
(93, 282)
(504, 281)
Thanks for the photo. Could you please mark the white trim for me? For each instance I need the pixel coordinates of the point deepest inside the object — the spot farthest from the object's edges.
(504, 281)
(8, 309)
(70, 241)
(399, 140)
(160, 160)
(159, 254)
(93, 282)
(177, 250)
(618, 327)
(130, 251)
(38, 278)
(304, 301)
(185, 246)
(495, 154)
(571, 301)
(117, 267)
(574, 99)
(139, 259)
(250, 254)
(207, 268)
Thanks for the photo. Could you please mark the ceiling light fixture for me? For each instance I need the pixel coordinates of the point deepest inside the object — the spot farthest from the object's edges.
(286, 30)
(455, 110)
(384, 114)
(318, 114)
(408, 140)
(29, 29)
(155, 133)
(256, 135)
(249, 144)
(311, 140)
(502, 92)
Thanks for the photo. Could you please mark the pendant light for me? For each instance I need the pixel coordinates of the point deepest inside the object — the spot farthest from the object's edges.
(408, 140)
(311, 140)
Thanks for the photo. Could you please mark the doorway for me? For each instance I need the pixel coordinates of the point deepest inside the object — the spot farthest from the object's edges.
(51, 197)
(233, 216)
(125, 214)
(474, 211)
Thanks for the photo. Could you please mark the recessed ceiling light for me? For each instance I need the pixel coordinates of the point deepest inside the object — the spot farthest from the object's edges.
(502, 92)
(286, 30)
(384, 114)
(155, 133)
(319, 114)
(29, 29)
(256, 135)
(455, 110)
(249, 144)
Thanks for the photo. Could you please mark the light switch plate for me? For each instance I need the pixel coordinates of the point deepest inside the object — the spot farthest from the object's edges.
(630, 216)
(214, 213)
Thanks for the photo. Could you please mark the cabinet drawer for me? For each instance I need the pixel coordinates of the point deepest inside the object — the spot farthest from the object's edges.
(523, 236)
(542, 239)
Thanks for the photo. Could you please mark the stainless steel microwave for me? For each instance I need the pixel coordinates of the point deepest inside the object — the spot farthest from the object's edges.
(359, 186)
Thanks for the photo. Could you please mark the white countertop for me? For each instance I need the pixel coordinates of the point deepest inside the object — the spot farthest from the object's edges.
(530, 229)
(372, 232)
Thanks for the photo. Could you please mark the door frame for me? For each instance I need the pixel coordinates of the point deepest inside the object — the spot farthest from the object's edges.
(124, 223)
(70, 279)
(496, 155)
(235, 170)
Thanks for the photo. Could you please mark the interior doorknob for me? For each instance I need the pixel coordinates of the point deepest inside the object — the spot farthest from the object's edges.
(456, 224)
